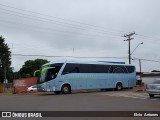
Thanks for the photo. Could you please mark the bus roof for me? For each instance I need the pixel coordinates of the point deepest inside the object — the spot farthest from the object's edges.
(88, 62)
(112, 62)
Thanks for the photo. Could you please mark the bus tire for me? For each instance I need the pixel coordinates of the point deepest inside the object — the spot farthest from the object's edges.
(66, 89)
(119, 86)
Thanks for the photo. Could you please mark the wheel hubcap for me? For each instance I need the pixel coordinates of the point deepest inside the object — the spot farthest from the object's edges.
(65, 89)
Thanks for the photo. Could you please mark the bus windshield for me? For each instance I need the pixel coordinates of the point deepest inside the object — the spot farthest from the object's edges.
(48, 73)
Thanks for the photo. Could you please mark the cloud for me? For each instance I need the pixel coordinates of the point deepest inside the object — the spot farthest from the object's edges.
(90, 27)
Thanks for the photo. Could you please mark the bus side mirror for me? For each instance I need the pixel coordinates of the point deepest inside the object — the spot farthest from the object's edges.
(47, 68)
(35, 72)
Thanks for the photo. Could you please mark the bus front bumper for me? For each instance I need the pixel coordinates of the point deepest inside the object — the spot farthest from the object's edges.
(48, 89)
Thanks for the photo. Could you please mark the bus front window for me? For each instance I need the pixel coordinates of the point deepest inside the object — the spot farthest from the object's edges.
(49, 73)
(42, 76)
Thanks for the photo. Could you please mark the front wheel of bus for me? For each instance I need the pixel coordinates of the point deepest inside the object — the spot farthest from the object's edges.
(119, 86)
(66, 89)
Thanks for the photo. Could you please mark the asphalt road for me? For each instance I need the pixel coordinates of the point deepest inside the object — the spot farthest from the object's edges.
(90, 101)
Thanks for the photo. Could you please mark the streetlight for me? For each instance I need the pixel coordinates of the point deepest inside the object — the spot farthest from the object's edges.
(136, 47)
(139, 61)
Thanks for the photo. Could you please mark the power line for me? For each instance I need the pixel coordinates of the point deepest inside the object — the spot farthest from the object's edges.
(66, 21)
(76, 22)
(148, 38)
(149, 60)
(56, 56)
(25, 55)
(55, 30)
(44, 19)
(38, 19)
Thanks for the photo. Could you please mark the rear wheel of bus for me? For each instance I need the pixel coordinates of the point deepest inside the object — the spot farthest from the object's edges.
(66, 89)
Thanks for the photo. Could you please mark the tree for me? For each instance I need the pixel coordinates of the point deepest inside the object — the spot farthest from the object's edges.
(5, 60)
(30, 66)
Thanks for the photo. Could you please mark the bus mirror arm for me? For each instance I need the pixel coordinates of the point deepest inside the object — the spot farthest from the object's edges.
(36, 72)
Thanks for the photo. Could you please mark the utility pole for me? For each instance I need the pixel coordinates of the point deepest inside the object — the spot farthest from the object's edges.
(128, 36)
(140, 72)
(140, 68)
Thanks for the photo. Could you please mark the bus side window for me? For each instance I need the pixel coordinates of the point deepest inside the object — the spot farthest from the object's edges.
(70, 68)
(130, 69)
(75, 70)
(110, 69)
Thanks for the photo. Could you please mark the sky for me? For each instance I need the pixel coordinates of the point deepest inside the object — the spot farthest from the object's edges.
(87, 29)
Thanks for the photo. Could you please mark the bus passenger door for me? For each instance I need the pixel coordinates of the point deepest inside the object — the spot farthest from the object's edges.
(70, 79)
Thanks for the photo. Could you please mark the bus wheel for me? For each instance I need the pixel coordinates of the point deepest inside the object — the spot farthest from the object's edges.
(66, 89)
(119, 86)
